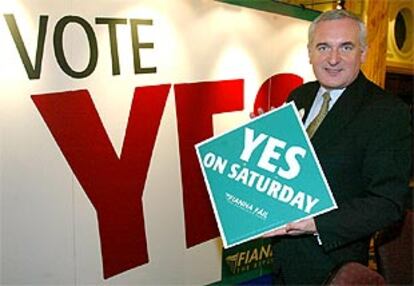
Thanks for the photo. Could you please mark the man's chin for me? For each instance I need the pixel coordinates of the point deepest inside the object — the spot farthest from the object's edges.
(332, 84)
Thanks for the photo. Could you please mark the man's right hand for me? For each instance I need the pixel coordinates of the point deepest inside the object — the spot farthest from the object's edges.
(260, 111)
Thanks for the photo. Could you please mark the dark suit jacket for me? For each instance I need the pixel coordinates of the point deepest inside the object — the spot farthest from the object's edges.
(363, 146)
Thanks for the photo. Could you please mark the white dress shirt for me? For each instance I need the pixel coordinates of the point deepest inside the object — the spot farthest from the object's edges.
(317, 103)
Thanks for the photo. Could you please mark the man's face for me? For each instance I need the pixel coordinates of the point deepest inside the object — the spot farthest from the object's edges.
(335, 53)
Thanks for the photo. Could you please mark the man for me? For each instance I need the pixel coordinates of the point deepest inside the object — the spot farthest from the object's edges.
(363, 145)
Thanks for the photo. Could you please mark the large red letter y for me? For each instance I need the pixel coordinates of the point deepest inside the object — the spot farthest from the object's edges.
(114, 185)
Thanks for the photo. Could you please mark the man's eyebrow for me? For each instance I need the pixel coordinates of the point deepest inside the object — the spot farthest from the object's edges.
(321, 44)
(348, 43)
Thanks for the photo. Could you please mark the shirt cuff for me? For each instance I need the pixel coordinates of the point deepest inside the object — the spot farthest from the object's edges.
(318, 238)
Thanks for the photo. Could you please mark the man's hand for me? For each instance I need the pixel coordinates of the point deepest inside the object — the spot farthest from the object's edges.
(260, 111)
(306, 226)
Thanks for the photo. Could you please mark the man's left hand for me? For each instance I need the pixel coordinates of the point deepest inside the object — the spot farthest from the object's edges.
(306, 226)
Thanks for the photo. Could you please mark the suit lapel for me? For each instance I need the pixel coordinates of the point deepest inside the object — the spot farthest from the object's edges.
(341, 113)
(305, 101)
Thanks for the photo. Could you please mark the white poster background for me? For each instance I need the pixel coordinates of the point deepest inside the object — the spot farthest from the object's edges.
(49, 233)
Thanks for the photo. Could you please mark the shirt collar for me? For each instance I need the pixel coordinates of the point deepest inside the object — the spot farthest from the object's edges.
(334, 93)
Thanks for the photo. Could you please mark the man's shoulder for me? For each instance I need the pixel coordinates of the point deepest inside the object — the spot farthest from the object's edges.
(382, 105)
(370, 88)
(310, 85)
(379, 96)
(308, 88)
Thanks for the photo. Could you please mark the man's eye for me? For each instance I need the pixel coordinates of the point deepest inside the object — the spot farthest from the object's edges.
(348, 48)
(322, 48)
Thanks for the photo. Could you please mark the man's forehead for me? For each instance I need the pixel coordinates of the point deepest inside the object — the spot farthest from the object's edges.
(340, 32)
(336, 25)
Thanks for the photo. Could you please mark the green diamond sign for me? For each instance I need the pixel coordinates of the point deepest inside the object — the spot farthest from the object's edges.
(263, 175)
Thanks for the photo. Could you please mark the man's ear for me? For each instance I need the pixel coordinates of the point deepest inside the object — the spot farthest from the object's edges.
(309, 54)
(364, 54)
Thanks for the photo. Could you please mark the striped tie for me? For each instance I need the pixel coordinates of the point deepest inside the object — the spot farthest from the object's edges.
(313, 126)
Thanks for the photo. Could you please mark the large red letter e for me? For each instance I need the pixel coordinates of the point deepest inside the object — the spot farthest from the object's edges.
(196, 104)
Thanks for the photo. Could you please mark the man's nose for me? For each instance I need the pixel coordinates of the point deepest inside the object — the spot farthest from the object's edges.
(334, 57)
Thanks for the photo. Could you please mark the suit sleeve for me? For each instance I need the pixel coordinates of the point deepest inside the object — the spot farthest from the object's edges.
(385, 174)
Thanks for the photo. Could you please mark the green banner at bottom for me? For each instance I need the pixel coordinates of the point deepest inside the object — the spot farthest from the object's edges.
(246, 262)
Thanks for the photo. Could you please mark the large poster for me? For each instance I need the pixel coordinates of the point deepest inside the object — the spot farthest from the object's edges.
(101, 104)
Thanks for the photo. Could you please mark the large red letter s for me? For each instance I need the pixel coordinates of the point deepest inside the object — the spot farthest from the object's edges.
(114, 185)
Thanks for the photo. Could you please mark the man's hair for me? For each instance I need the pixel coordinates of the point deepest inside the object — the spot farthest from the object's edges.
(338, 14)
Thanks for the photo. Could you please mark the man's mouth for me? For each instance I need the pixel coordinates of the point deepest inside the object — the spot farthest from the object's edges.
(333, 72)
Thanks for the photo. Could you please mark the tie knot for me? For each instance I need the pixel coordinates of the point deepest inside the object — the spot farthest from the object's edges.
(326, 96)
